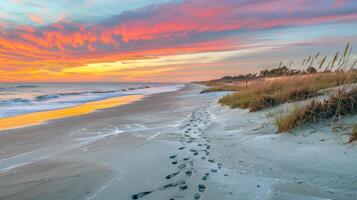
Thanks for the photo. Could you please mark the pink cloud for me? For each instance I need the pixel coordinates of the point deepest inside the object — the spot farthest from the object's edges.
(35, 18)
(165, 29)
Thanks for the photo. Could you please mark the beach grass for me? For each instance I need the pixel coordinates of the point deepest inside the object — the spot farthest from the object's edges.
(270, 92)
(221, 88)
(331, 78)
(353, 136)
(341, 103)
(283, 85)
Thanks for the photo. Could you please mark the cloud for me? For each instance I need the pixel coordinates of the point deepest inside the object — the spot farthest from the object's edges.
(180, 27)
(35, 18)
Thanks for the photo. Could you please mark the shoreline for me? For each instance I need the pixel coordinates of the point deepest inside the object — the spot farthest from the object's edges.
(96, 148)
(48, 116)
(176, 145)
(41, 117)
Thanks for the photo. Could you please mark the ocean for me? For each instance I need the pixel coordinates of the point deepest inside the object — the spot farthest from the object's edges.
(22, 98)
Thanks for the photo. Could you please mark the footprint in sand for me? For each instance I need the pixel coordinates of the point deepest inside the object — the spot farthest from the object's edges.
(188, 173)
(205, 177)
(183, 187)
(170, 176)
(173, 156)
(141, 194)
(201, 188)
(171, 185)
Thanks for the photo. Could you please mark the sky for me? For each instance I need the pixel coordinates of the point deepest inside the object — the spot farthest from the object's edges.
(165, 40)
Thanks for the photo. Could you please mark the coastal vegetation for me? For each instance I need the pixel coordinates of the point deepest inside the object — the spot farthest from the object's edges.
(322, 76)
(353, 136)
(337, 105)
(269, 92)
(221, 88)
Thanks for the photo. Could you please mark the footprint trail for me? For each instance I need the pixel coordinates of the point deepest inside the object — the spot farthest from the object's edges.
(194, 151)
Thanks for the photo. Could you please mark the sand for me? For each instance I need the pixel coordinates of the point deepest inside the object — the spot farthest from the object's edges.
(37, 118)
(176, 145)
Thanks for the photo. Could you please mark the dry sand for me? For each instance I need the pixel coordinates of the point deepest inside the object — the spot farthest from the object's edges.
(177, 145)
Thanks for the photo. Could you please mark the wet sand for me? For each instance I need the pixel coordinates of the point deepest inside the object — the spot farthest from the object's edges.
(115, 153)
(176, 145)
(37, 118)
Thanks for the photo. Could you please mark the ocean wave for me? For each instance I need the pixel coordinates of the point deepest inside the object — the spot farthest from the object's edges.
(46, 97)
(17, 87)
(26, 86)
(15, 100)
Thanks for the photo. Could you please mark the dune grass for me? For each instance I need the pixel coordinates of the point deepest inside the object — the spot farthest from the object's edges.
(221, 88)
(353, 136)
(340, 104)
(274, 91)
(320, 74)
(342, 101)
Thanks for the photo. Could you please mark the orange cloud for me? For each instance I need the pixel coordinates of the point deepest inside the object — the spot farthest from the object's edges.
(193, 26)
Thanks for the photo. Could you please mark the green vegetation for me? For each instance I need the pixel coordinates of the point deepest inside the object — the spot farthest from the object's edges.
(285, 71)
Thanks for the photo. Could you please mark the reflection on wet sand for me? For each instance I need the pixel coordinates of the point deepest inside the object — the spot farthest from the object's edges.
(40, 117)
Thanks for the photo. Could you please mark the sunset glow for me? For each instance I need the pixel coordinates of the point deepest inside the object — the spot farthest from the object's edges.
(44, 116)
(163, 40)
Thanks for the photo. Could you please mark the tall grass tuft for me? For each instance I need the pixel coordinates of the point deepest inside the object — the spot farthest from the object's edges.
(353, 136)
(340, 104)
(272, 91)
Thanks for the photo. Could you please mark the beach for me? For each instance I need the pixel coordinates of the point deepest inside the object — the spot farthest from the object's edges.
(174, 145)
